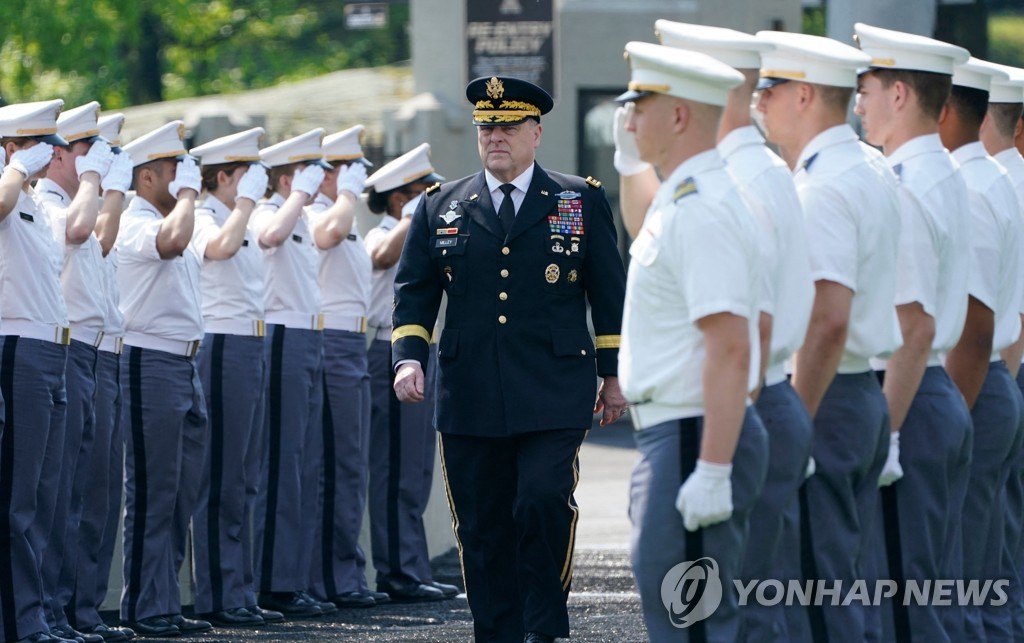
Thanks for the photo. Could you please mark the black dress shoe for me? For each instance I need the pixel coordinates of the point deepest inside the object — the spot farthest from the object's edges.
(190, 625)
(537, 637)
(109, 634)
(353, 599)
(380, 598)
(326, 607)
(67, 632)
(43, 637)
(234, 617)
(154, 626)
(289, 604)
(409, 591)
(449, 591)
(268, 616)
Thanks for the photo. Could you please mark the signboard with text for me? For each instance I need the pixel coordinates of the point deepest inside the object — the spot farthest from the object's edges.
(511, 38)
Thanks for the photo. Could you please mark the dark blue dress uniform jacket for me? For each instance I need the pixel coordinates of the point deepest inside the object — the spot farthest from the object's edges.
(516, 354)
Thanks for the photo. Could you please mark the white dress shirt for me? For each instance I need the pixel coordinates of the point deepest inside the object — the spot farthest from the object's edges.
(382, 281)
(345, 272)
(30, 266)
(522, 183)
(232, 289)
(1013, 163)
(291, 295)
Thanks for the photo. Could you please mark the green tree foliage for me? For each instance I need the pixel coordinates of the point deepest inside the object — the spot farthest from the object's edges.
(127, 52)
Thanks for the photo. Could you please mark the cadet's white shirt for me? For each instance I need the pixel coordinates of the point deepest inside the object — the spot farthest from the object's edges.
(30, 262)
(345, 269)
(159, 297)
(231, 289)
(934, 252)
(81, 276)
(767, 186)
(994, 278)
(382, 282)
(289, 270)
(1013, 163)
(113, 318)
(851, 207)
(695, 256)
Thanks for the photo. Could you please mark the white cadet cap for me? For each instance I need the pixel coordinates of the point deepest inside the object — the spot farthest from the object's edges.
(79, 123)
(408, 168)
(240, 147)
(978, 74)
(809, 59)
(657, 69)
(734, 48)
(33, 120)
(165, 142)
(110, 128)
(1005, 91)
(304, 148)
(898, 50)
(345, 145)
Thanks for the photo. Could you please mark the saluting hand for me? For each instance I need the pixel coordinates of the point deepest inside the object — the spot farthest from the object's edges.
(611, 403)
(409, 382)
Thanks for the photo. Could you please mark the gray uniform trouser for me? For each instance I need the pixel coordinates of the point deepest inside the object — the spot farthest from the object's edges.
(1014, 551)
(775, 518)
(996, 416)
(402, 447)
(61, 559)
(918, 509)
(32, 386)
(839, 503)
(231, 370)
(166, 432)
(286, 502)
(101, 497)
(338, 561)
(667, 455)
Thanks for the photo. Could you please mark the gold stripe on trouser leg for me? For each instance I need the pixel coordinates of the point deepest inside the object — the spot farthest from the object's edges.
(451, 507)
(567, 567)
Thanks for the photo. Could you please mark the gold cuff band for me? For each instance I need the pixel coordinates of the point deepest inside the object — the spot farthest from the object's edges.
(410, 330)
(608, 341)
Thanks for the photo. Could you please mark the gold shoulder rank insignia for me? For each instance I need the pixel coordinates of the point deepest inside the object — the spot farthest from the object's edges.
(594, 183)
(434, 188)
(686, 188)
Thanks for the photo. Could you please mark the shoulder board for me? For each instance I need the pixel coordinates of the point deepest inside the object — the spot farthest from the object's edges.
(685, 188)
(594, 183)
(433, 188)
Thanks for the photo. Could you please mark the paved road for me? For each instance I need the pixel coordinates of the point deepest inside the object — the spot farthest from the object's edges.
(603, 606)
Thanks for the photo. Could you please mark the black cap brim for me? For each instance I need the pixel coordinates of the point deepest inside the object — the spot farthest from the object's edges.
(322, 163)
(631, 96)
(768, 83)
(53, 139)
(365, 162)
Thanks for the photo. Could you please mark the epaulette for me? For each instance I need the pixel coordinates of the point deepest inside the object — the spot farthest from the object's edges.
(687, 187)
(594, 183)
(433, 188)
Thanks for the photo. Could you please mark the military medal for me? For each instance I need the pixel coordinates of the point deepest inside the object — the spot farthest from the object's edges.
(551, 273)
(573, 276)
(450, 216)
(569, 219)
(445, 231)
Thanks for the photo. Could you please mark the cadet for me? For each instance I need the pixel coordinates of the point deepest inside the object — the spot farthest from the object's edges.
(35, 336)
(689, 353)
(519, 251)
(338, 571)
(164, 411)
(785, 306)
(402, 440)
(899, 100)
(104, 469)
(231, 288)
(286, 513)
(852, 215)
(993, 312)
(70, 193)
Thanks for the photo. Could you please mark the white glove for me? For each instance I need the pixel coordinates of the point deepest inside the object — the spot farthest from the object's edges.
(97, 160)
(119, 177)
(410, 207)
(352, 178)
(627, 157)
(892, 471)
(31, 160)
(706, 496)
(186, 177)
(253, 183)
(308, 179)
(812, 467)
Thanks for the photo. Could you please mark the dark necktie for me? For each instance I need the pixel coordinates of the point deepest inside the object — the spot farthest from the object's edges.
(507, 211)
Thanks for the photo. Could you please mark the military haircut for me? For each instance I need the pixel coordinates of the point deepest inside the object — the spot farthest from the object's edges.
(377, 201)
(932, 89)
(970, 104)
(1005, 116)
(275, 174)
(834, 98)
(210, 172)
(151, 165)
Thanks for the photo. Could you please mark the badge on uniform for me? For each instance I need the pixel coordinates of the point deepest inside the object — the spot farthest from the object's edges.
(446, 231)
(27, 217)
(445, 243)
(686, 188)
(569, 219)
(573, 276)
(451, 214)
(352, 237)
(296, 238)
(551, 273)
(556, 243)
(245, 243)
